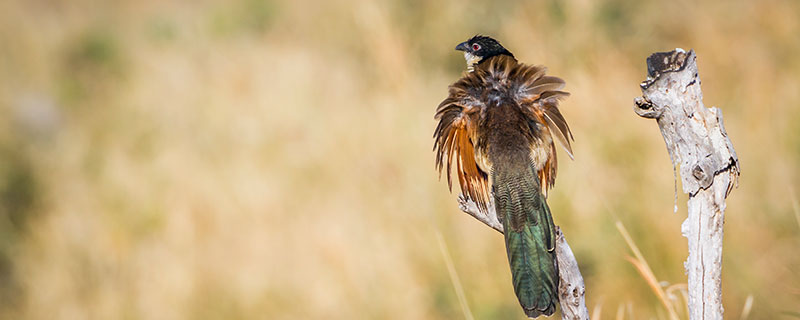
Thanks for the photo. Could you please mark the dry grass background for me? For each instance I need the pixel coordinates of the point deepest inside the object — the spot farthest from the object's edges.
(272, 159)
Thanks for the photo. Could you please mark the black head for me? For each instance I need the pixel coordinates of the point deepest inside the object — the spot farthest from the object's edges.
(478, 48)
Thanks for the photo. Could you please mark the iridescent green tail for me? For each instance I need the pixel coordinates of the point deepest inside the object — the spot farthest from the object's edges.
(530, 237)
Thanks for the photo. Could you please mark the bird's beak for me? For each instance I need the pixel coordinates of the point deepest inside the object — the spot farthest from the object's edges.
(464, 46)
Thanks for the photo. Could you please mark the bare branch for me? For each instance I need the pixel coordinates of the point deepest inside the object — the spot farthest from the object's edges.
(571, 289)
(709, 168)
(489, 218)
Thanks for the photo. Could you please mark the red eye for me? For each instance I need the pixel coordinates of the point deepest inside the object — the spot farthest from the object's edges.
(476, 47)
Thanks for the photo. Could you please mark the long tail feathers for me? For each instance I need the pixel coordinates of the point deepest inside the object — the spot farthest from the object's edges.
(530, 237)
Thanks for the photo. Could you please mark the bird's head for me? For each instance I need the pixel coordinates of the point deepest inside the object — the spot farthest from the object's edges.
(479, 48)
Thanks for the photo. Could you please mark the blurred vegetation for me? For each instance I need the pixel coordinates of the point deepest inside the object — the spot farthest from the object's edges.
(272, 159)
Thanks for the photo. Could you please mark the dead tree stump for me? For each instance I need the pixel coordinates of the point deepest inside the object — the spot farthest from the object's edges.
(709, 169)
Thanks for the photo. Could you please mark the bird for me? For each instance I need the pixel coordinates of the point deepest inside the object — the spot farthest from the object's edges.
(496, 131)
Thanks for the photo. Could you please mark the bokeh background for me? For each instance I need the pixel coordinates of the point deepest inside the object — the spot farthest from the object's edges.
(253, 159)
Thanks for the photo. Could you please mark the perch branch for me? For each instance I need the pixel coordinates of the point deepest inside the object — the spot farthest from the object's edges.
(571, 290)
(696, 139)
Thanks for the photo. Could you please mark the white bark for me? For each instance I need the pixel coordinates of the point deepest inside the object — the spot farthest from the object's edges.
(571, 290)
(697, 141)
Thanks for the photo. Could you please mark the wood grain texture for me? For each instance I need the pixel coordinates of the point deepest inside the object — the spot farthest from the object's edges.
(709, 168)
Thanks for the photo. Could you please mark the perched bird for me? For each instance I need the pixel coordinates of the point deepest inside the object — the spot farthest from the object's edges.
(496, 132)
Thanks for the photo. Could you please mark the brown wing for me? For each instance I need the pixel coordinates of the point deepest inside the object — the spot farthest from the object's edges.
(548, 104)
(454, 138)
(540, 95)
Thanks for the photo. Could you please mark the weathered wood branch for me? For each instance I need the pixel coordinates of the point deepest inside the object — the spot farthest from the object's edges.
(489, 218)
(571, 290)
(697, 141)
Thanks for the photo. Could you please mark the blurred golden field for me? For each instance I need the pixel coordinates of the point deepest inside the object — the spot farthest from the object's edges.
(272, 159)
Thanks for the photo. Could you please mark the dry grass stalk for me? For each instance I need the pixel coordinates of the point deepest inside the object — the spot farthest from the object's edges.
(644, 269)
(451, 270)
(748, 306)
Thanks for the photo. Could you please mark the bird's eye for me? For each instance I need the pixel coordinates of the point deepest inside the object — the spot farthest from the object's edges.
(476, 47)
